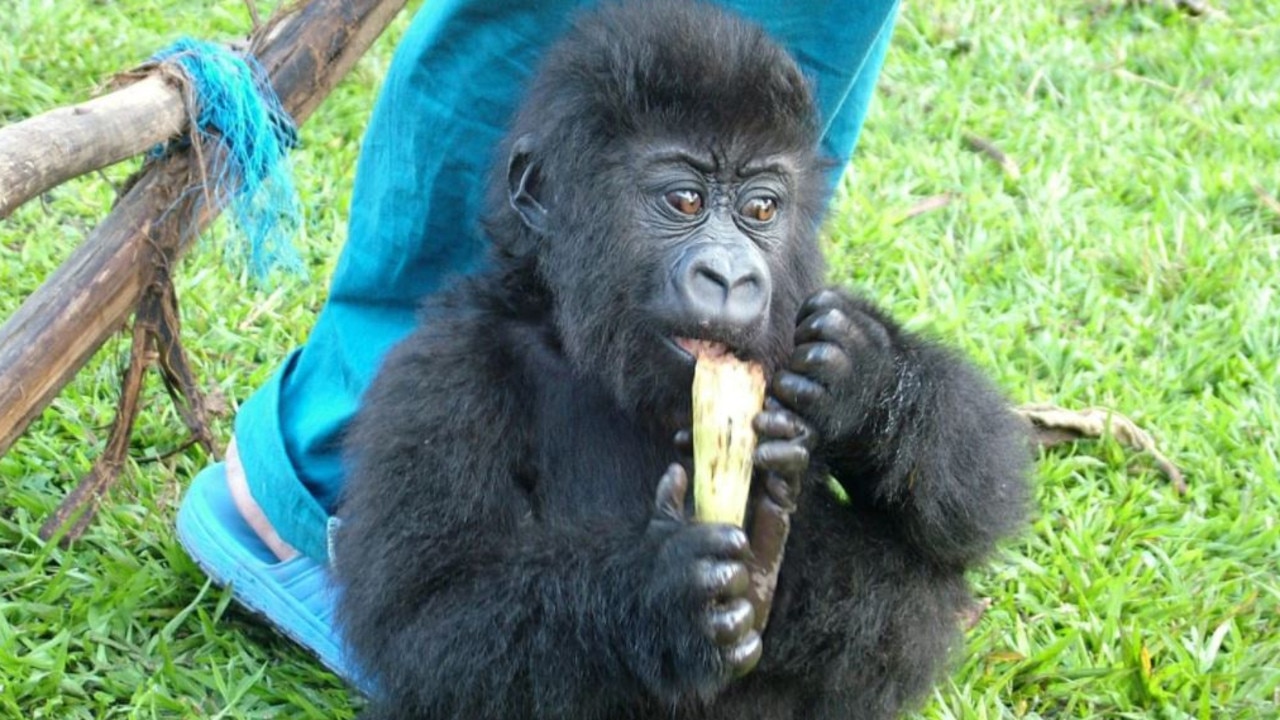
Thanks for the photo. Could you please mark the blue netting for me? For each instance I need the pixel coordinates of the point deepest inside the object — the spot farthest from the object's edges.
(240, 114)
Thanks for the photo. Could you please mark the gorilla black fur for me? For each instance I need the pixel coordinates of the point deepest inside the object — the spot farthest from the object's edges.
(515, 543)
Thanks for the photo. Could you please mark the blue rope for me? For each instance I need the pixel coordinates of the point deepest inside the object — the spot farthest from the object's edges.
(239, 111)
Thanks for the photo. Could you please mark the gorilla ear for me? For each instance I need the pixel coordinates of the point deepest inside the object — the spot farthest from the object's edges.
(523, 185)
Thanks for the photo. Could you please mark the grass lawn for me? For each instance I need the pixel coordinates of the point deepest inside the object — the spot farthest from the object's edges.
(1132, 261)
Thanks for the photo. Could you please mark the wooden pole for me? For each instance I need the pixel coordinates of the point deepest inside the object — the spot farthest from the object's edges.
(50, 149)
(305, 51)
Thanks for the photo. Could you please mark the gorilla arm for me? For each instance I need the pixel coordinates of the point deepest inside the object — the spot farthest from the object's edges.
(460, 599)
(907, 428)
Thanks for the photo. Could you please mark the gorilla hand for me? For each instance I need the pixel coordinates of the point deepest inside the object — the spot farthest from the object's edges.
(842, 365)
(702, 568)
(781, 462)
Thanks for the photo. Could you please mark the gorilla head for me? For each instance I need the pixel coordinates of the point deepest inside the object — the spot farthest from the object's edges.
(666, 190)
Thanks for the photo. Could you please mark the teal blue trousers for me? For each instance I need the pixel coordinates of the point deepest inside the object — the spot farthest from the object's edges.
(453, 84)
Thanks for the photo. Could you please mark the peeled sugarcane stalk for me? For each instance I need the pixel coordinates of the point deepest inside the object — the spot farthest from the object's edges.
(727, 395)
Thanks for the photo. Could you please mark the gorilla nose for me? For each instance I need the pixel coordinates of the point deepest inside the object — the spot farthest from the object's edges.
(725, 285)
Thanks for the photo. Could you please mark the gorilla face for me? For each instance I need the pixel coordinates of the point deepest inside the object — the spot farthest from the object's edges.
(669, 212)
(711, 246)
(716, 228)
(724, 224)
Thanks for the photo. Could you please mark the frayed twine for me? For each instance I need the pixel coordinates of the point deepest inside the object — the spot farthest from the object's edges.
(239, 117)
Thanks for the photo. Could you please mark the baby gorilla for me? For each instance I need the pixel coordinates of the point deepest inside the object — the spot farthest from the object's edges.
(515, 541)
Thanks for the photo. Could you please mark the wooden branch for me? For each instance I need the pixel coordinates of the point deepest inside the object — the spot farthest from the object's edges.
(305, 52)
(88, 298)
(160, 308)
(47, 150)
(80, 505)
(308, 51)
(156, 325)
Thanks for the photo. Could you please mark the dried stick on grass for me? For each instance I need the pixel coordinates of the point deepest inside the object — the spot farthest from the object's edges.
(1052, 425)
(1268, 200)
(929, 204)
(986, 147)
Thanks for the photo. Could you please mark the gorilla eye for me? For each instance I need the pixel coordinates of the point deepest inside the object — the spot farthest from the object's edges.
(761, 209)
(686, 202)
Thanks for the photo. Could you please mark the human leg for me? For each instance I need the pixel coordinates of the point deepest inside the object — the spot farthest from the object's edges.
(258, 522)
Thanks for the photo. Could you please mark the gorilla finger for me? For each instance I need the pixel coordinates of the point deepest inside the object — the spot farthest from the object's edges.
(770, 526)
(784, 489)
(730, 622)
(822, 361)
(775, 422)
(829, 325)
(850, 328)
(819, 301)
(723, 579)
(717, 540)
(795, 391)
(743, 657)
(866, 331)
(787, 458)
(683, 441)
(669, 502)
(779, 422)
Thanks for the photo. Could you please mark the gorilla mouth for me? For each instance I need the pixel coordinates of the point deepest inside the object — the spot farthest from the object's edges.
(697, 349)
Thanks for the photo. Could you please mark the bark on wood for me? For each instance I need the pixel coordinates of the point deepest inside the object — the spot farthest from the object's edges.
(47, 150)
(305, 52)
(155, 341)
(89, 297)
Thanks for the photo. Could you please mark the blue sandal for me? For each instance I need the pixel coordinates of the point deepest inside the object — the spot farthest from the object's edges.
(293, 596)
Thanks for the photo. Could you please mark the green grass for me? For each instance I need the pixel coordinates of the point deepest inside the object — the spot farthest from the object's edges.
(1132, 264)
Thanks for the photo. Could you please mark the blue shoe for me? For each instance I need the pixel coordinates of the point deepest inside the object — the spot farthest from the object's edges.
(294, 596)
